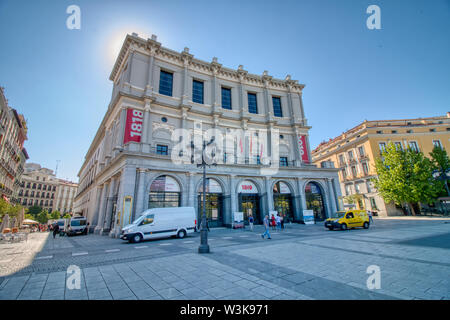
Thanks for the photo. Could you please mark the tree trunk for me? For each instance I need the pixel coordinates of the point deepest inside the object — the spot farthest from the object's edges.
(411, 207)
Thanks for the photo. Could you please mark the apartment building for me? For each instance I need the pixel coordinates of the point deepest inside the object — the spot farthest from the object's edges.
(354, 153)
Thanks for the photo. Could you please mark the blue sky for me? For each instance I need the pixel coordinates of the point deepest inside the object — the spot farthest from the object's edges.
(58, 78)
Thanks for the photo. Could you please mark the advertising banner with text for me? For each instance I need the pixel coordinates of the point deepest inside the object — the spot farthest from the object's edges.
(303, 149)
(133, 126)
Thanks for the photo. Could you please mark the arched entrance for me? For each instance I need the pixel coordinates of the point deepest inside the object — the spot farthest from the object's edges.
(282, 200)
(315, 200)
(213, 202)
(249, 200)
(165, 192)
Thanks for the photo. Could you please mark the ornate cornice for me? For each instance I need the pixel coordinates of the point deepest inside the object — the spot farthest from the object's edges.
(184, 58)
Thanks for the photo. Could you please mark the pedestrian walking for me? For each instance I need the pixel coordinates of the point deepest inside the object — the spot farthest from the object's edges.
(370, 216)
(266, 227)
(250, 221)
(282, 221)
(273, 222)
(278, 221)
(55, 230)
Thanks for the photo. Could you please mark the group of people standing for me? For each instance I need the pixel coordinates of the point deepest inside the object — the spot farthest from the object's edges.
(276, 222)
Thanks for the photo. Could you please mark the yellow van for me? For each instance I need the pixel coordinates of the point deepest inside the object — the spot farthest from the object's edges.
(348, 220)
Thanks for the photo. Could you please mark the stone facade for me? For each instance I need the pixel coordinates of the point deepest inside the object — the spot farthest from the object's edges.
(40, 187)
(13, 133)
(355, 151)
(118, 180)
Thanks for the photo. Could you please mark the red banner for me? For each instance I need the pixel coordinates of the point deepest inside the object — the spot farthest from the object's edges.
(133, 126)
(303, 149)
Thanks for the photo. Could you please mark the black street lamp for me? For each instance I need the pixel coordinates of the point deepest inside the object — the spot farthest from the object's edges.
(204, 246)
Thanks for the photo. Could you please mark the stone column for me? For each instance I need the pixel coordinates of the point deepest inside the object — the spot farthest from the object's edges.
(267, 181)
(301, 190)
(298, 157)
(331, 196)
(122, 120)
(139, 202)
(101, 211)
(149, 86)
(233, 196)
(146, 124)
(337, 191)
(191, 191)
(109, 207)
(95, 218)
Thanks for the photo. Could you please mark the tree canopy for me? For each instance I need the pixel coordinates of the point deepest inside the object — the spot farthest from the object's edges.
(405, 176)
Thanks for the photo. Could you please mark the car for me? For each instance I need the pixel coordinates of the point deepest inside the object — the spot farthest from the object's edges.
(161, 223)
(350, 219)
(76, 225)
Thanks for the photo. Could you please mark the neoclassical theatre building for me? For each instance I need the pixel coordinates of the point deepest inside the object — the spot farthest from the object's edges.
(157, 91)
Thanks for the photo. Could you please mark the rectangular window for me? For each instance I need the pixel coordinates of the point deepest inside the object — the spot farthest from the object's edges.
(161, 149)
(413, 146)
(197, 91)
(277, 107)
(226, 98)
(398, 145)
(283, 162)
(382, 146)
(365, 168)
(252, 103)
(165, 83)
(350, 155)
(348, 190)
(344, 174)
(373, 204)
(369, 187)
(354, 173)
(361, 151)
(437, 143)
(341, 160)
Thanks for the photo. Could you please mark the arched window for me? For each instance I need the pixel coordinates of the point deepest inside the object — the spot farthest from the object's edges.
(315, 200)
(164, 192)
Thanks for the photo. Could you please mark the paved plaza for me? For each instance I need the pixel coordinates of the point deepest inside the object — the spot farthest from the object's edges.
(301, 262)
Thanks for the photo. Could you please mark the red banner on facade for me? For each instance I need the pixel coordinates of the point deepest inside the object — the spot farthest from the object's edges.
(303, 149)
(133, 126)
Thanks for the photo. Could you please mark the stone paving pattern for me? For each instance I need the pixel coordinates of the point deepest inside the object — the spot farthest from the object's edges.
(301, 262)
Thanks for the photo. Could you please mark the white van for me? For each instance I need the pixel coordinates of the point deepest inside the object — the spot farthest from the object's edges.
(161, 223)
(76, 225)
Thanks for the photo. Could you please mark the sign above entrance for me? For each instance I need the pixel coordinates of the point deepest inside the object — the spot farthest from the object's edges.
(281, 188)
(212, 186)
(165, 184)
(247, 187)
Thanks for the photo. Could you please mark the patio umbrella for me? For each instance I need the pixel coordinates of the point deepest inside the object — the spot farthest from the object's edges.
(29, 221)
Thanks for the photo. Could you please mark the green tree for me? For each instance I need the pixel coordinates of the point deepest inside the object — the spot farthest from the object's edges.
(4, 208)
(67, 215)
(43, 217)
(405, 176)
(34, 210)
(55, 215)
(441, 163)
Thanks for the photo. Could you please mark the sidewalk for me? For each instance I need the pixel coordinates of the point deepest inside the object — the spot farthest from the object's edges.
(413, 218)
